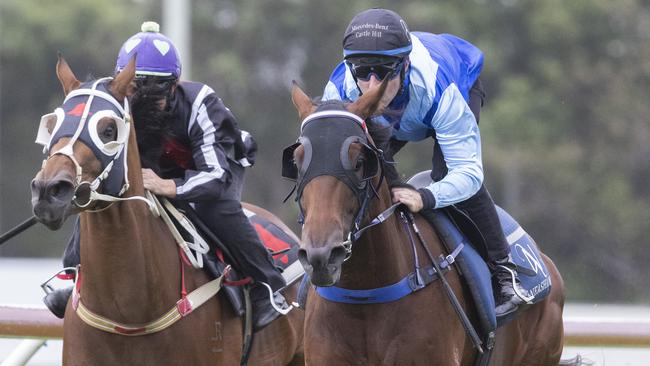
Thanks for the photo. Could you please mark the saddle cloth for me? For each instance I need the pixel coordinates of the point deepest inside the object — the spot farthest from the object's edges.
(273, 237)
(532, 271)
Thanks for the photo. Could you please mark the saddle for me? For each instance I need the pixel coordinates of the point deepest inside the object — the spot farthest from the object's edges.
(284, 250)
(455, 229)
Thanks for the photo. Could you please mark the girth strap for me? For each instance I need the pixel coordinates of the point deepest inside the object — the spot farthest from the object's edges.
(414, 281)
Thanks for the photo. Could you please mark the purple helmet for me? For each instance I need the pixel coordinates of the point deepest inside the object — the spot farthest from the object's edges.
(156, 54)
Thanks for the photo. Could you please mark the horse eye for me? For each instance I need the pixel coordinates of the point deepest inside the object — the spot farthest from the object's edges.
(109, 133)
(360, 163)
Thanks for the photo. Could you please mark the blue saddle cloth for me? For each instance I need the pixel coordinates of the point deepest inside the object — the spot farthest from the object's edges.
(533, 274)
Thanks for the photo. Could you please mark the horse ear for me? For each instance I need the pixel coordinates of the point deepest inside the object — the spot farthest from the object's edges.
(66, 76)
(301, 101)
(121, 85)
(368, 103)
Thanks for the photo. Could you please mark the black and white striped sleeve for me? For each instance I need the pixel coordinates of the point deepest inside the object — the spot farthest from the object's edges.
(209, 131)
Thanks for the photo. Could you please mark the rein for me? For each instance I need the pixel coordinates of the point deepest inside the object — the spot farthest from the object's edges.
(412, 282)
(85, 193)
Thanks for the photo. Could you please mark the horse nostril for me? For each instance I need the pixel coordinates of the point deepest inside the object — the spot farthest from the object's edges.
(337, 255)
(302, 254)
(60, 190)
(54, 190)
(36, 186)
(302, 257)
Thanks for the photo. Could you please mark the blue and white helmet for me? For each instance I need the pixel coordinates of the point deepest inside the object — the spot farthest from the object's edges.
(156, 54)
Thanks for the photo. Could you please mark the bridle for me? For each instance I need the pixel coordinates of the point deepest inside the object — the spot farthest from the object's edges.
(99, 104)
(322, 135)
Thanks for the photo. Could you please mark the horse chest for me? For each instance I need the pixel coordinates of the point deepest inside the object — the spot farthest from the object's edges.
(387, 334)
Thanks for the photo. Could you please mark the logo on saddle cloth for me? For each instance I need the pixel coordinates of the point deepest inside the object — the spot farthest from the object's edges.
(532, 272)
(523, 253)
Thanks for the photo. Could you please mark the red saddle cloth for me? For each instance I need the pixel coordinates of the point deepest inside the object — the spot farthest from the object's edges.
(276, 240)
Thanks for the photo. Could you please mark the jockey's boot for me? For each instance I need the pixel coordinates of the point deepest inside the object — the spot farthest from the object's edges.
(506, 280)
(263, 311)
(57, 300)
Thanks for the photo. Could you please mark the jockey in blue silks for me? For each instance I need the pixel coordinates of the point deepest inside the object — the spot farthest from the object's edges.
(192, 150)
(434, 91)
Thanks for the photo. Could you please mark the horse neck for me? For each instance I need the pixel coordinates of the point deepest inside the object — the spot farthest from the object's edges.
(382, 255)
(127, 255)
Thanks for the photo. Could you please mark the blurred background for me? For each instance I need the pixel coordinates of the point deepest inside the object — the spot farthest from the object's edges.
(566, 132)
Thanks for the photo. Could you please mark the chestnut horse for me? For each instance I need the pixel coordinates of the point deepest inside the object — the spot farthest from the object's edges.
(337, 202)
(130, 262)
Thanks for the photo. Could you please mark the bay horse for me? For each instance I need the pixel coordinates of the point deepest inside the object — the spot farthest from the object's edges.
(337, 203)
(132, 271)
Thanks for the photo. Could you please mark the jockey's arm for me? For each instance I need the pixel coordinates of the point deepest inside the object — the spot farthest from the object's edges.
(207, 132)
(157, 185)
(460, 142)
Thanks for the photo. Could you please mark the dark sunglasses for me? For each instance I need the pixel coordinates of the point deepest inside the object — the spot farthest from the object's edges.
(381, 71)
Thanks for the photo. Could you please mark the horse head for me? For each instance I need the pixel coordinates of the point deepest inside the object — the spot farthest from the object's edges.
(336, 166)
(85, 140)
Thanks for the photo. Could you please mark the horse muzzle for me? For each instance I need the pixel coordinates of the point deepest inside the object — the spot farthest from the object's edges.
(52, 201)
(323, 265)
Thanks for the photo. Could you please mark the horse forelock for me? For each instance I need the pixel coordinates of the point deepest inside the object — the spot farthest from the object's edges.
(331, 105)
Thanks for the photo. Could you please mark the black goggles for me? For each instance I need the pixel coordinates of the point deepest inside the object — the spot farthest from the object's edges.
(381, 71)
(154, 82)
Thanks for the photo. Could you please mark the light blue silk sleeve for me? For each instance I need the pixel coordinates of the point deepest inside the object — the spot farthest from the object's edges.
(460, 141)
